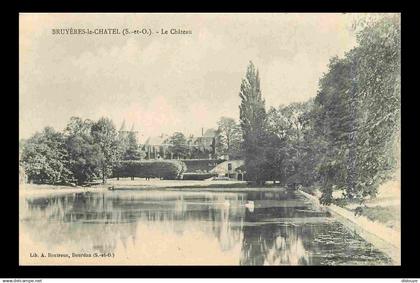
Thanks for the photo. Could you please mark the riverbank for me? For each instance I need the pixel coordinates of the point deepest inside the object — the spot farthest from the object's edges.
(380, 229)
(136, 184)
(383, 238)
(41, 190)
(141, 183)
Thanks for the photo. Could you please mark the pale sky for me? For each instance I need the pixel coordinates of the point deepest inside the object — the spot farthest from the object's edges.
(168, 83)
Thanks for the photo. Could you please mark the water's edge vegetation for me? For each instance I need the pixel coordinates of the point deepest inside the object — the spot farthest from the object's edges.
(346, 139)
(385, 239)
(345, 143)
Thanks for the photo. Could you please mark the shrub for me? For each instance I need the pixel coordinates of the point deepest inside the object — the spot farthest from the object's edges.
(197, 176)
(166, 169)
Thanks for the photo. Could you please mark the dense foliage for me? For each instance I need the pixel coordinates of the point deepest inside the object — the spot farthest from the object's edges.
(85, 151)
(357, 112)
(85, 156)
(256, 140)
(129, 147)
(45, 158)
(347, 138)
(178, 145)
(229, 138)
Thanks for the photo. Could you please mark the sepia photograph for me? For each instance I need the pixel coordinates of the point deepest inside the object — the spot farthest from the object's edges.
(210, 139)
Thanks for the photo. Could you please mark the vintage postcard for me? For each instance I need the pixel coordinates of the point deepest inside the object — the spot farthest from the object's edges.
(209, 139)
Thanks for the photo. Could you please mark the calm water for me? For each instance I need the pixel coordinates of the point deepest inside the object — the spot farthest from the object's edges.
(180, 227)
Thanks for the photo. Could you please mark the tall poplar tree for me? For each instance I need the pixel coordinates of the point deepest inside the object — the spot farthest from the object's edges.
(252, 119)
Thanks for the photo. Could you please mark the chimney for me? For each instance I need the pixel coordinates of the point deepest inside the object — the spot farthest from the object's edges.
(202, 132)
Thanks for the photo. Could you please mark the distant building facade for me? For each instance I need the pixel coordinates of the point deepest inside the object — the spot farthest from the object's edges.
(157, 148)
(207, 140)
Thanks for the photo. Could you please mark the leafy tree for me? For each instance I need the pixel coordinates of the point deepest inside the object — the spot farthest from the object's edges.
(78, 126)
(379, 93)
(133, 151)
(199, 152)
(289, 124)
(236, 143)
(104, 134)
(129, 147)
(358, 112)
(313, 146)
(229, 137)
(178, 145)
(85, 157)
(44, 157)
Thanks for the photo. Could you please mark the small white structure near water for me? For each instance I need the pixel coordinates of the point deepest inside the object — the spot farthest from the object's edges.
(230, 169)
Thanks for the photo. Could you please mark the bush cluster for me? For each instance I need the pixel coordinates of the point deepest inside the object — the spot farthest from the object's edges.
(165, 169)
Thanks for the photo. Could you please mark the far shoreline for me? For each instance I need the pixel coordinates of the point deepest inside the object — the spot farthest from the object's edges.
(143, 185)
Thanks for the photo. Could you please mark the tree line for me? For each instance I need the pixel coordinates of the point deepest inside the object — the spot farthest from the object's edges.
(346, 138)
(88, 150)
(84, 151)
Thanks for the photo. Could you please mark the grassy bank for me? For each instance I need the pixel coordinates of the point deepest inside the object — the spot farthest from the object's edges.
(384, 208)
(378, 222)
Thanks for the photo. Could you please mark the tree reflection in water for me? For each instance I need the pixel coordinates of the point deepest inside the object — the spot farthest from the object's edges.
(179, 227)
(273, 244)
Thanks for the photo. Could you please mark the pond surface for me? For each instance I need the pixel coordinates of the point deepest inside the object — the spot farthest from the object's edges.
(187, 227)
